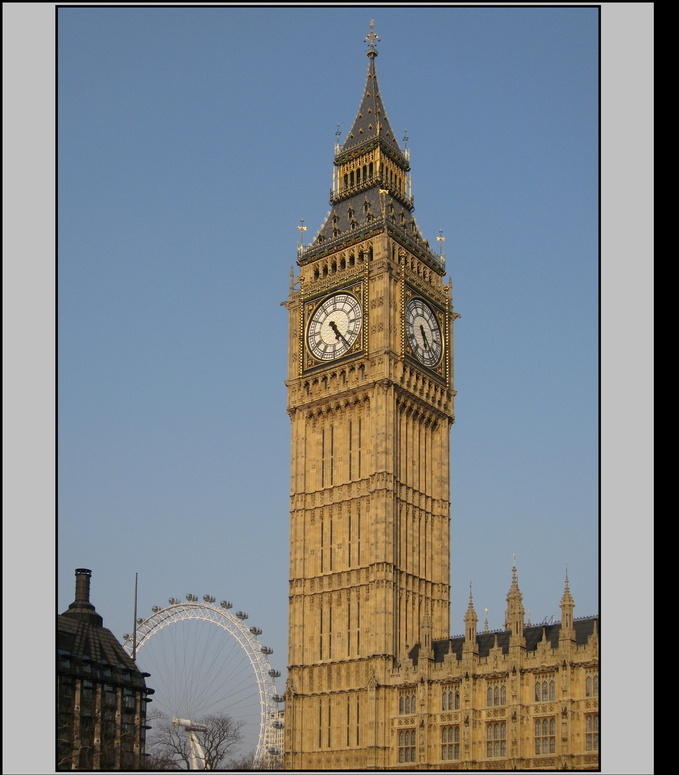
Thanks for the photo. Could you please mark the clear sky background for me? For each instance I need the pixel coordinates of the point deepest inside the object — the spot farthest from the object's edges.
(191, 142)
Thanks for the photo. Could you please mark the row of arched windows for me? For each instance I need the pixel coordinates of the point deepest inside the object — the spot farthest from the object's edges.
(335, 264)
(406, 703)
(496, 695)
(592, 686)
(450, 699)
(358, 176)
(545, 690)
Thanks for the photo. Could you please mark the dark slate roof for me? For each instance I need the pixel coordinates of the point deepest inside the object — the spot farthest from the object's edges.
(371, 122)
(83, 648)
(86, 648)
(364, 209)
(584, 628)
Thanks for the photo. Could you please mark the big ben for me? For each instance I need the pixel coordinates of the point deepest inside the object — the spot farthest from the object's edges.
(371, 404)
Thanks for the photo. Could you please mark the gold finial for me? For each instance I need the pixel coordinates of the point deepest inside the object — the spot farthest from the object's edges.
(371, 38)
(302, 229)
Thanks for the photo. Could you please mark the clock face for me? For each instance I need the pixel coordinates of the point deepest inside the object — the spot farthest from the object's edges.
(334, 326)
(423, 332)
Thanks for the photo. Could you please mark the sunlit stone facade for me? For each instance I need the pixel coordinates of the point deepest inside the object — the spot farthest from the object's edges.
(374, 679)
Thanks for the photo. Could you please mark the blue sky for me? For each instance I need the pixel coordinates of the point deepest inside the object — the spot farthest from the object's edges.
(191, 141)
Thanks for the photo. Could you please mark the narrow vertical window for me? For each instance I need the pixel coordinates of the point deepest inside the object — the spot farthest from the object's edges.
(329, 721)
(320, 723)
(358, 629)
(350, 520)
(358, 721)
(348, 634)
(329, 631)
(358, 537)
(360, 447)
(351, 448)
(320, 635)
(322, 547)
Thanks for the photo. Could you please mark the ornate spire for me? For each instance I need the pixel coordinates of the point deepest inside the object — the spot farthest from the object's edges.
(514, 617)
(371, 122)
(567, 606)
(470, 621)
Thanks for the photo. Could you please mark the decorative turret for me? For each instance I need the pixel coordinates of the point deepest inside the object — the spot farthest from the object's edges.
(567, 605)
(470, 622)
(514, 616)
(427, 645)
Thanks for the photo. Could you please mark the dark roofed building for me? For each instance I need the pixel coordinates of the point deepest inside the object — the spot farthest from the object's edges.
(101, 693)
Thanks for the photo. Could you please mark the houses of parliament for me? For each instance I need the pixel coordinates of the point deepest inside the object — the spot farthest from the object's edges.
(375, 682)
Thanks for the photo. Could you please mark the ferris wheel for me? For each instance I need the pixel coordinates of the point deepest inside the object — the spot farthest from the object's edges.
(205, 660)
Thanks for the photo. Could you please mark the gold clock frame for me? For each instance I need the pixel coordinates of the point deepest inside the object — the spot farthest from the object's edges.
(442, 368)
(309, 306)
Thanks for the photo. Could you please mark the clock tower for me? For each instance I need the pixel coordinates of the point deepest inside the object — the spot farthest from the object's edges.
(370, 399)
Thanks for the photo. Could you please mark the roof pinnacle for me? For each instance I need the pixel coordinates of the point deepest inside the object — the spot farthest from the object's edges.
(371, 38)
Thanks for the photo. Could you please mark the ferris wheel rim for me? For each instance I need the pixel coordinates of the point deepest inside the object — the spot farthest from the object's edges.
(193, 609)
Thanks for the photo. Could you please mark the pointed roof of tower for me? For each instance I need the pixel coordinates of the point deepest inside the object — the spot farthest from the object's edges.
(567, 598)
(371, 122)
(470, 613)
(514, 591)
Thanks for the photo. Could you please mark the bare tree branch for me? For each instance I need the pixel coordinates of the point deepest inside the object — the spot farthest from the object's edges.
(168, 748)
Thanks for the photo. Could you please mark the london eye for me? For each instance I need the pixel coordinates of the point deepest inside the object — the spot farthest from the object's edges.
(206, 661)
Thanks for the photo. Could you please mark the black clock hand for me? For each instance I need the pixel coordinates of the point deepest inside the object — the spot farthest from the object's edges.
(338, 335)
(424, 336)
